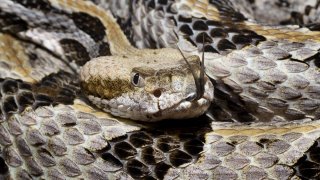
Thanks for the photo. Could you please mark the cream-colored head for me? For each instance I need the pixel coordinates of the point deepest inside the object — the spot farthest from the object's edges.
(153, 86)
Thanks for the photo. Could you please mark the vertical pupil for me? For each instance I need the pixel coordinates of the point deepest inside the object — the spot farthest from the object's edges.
(136, 78)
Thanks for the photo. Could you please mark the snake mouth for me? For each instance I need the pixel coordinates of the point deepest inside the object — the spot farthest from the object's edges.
(185, 108)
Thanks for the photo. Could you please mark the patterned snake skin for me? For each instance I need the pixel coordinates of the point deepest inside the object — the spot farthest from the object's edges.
(263, 122)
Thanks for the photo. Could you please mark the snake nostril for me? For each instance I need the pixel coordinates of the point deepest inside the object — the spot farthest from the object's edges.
(157, 93)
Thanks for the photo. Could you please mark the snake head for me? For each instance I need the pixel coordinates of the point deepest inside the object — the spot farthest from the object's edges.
(152, 86)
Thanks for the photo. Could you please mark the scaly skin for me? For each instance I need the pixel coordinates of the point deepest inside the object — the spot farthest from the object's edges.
(48, 132)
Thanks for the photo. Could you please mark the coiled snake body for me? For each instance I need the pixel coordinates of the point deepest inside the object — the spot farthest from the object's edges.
(66, 64)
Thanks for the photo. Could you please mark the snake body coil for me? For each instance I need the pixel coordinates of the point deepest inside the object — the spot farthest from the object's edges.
(261, 89)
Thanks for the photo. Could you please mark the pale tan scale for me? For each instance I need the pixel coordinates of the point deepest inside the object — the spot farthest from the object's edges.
(276, 82)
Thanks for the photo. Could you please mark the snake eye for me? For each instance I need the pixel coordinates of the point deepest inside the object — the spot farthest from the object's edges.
(137, 80)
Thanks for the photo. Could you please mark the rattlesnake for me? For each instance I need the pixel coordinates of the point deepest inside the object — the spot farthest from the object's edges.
(65, 64)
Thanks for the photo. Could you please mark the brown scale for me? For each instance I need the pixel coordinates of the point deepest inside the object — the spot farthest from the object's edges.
(313, 26)
(158, 150)
(11, 23)
(308, 166)
(218, 35)
(17, 24)
(289, 12)
(92, 26)
(229, 107)
(225, 36)
(122, 152)
(85, 22)
(16, 95)
(221, 36)
(42, 5)
(164, 11)
(74, 50)
(227, 11)
(3, 166)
